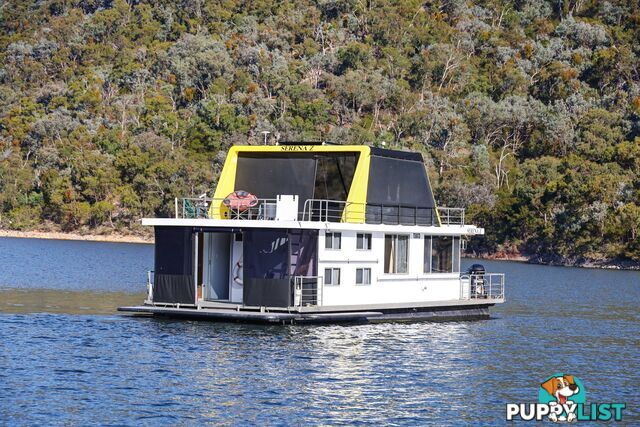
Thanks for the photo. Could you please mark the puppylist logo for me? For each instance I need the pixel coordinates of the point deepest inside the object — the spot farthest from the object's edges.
(562, 398)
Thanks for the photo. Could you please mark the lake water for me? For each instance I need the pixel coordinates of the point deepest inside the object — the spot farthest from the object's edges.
(66, 358)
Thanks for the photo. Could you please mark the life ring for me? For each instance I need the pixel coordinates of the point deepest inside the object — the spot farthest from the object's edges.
(240, 200)
(237, 272)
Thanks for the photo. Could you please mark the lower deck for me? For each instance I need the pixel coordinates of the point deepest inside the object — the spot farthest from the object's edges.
(313, 270)
(229, 312)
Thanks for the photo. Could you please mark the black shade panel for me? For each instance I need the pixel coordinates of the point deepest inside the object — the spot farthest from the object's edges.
(399, 191)
(267, 176)
(398, 182)
(266, 254)
(173, 282)
(319, 176)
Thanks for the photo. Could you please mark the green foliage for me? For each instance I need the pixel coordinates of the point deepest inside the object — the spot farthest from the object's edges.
(528, 113)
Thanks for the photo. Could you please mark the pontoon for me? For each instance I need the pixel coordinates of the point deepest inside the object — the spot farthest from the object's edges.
(309, 233)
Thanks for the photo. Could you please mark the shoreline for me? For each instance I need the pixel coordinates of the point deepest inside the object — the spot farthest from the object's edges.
(131, 238)
(57, 235)
(600, 265)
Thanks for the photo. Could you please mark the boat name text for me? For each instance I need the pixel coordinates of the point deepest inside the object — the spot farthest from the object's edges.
(297, 147)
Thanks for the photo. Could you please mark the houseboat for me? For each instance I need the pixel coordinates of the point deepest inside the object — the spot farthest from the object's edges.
(311, 233)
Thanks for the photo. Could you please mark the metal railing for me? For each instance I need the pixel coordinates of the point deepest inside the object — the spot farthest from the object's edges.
(482, 286)
(265, 209)
(307, 291)
(451, 216)
(194, 207)
(324, 210)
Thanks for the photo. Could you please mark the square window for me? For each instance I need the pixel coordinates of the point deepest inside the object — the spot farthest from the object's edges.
(331, 276)
(363, 241)
(363, 276)
(333, 240)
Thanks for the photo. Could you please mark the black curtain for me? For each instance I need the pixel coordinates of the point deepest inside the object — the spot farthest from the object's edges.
(266, 268)
(174, 265)
(305, 251)
(266, 254)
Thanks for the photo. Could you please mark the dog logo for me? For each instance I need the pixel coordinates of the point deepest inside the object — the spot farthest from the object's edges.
(562, 398)
(562, 390)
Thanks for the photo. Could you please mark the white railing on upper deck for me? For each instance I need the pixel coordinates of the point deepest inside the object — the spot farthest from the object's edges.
(374, 213)
(451, 216)
(482, 286)
(324, 210)
(264, 209)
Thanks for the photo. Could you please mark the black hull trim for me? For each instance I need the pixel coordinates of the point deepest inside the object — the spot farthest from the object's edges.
(433, 314)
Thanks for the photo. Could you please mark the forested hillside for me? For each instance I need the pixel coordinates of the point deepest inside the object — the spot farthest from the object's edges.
(527, 112)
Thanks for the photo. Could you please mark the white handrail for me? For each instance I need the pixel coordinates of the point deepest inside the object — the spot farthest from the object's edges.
(327, 210)
(482, 286)
(314, 297)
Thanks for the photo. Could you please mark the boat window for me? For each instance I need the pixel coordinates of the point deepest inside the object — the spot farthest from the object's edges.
(396, 254)
(399, 191)
(363, 241)
(331, 276)
(427, 254)
(333, 240)
(442, 254)
(268, 175)
(456, 254)
(363, 276)
(334, 175)
(325, 176)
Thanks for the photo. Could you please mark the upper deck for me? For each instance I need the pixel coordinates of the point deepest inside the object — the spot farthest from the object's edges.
(353, 184)
(345, 183)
